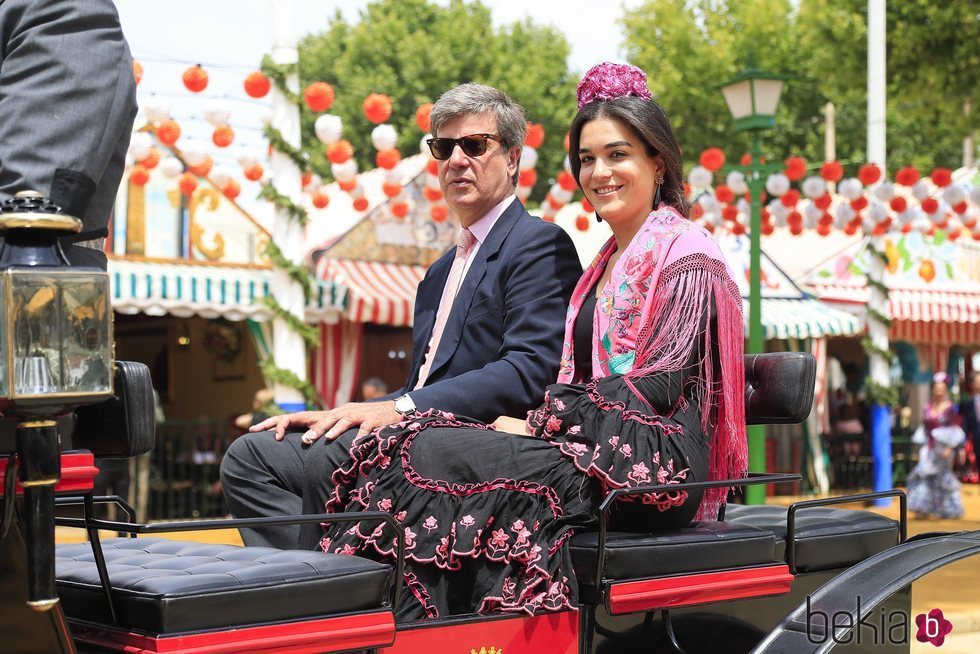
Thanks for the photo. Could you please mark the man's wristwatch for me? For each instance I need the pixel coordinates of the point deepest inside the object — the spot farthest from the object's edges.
(404, 404)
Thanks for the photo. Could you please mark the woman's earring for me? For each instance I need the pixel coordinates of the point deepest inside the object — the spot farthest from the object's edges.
(598, 218)
(656, 196)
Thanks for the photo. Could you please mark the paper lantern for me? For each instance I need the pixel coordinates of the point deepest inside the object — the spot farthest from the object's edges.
(202, 168)
(869, 174)
(859, 203)
(220, 175)
(168, 132)
(567, 141)
(422, 116)
(139, 145)
(885, 191)
(432, 167)
(851, 188)
(790, 198)
(961, 207)
(319, 96)
(432, 194)
(223, 136)
(137, 71)
(777, 185)
(535, 136)
(930, 205)
(699, 177)
(795, 168)
(217, 112)
(187, 183)
(360, 204)
(813, 187)
(340, 151)
(927, 270)
(231, 189)
(328, 128)
(377, 108)
(907, 176)
(712, 159)
(195, 79)
(345, 171)
(171, 167)
(587, 206)
(736, 181)
(254, 172)
(529, 158)
(724, 194)
(320, 200)
(745, 160)
(347, 185)
(941, 177)
(384, 137)
(527, 177)
(439, 213)
(823, 202)
(257, 85)
(553, 202)
(832, 171)
(729, 213)
(567, 181)
(392, 190)
(898, 204)
(156, 109)
(399, 209)
(388, 159)
(139, 176)
(582, 223)
(151, 160)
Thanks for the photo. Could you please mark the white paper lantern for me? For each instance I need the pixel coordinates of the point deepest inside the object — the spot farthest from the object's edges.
(850, 188)
(139, 145)
(920, 191)
(709, 203)
(777, 209)
(344, 172)
(954, 226)
(877, 212)
(940, 214)
(432, 181)
(156, 109)
(314, 184)
(220, 175)
(393, 176)
(736, 182)
(743, 207)
(384, 137)
(868, 225)
(699, 177)
(885, 191)
(953, 195)
(245, 156)
(922, 225)
(567, 164)
(561, 195)
(529, 158)
(194, 152)
(171, 167)
(777, 184)
(217, 111)
(845, 214)
(814, 187)
(975, 194)
(424, 146)
(907, 217)
(329, 128)
(523, 193)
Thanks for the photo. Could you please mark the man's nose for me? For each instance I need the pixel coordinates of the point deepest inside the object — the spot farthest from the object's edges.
(458, 158)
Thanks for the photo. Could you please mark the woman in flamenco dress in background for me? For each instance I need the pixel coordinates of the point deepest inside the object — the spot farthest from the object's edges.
(933, 488)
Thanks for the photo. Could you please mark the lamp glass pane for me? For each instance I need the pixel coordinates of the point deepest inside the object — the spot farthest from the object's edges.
(767, 92)
(3, 336)
(738, 96)
(37, 334)
(87, 348)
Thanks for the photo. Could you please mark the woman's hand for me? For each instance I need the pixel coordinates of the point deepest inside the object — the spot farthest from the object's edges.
(511, 425)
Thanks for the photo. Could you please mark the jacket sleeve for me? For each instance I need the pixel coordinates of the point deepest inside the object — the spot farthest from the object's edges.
(67, 105)
(542, 276)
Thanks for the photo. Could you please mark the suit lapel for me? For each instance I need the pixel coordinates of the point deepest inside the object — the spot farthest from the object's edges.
(474, 277)
(427, 298)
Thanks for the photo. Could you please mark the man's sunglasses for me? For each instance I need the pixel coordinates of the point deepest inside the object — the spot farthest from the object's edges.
(473, 145)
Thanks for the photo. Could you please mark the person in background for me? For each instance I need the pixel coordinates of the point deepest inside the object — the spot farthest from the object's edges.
(263, 407)
(970, 412)
(373, 388)
(933, 489)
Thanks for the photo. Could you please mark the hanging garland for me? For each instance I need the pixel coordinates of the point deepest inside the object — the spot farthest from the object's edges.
(284, 377)
(297, 156)
(298, 274)
(307, 332)
(879, 393)
(295, 211)
(278, 74)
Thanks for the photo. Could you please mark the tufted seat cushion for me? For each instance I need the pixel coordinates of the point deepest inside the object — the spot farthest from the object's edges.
(168, 586)
(699, 547)
(827, 538)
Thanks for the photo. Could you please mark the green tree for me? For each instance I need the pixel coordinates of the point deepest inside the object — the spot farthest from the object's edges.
(413, 50)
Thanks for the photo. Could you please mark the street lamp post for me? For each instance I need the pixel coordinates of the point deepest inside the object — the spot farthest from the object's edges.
(752, 97)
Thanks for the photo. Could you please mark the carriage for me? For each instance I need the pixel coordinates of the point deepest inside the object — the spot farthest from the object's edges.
(810, 577)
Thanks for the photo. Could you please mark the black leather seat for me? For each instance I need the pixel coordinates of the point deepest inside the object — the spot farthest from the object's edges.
(700, 547)
(168, 586)
(826, 538)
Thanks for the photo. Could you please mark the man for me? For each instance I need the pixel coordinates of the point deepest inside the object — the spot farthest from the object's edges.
(373, 388)
(67, 105)
(488, 326)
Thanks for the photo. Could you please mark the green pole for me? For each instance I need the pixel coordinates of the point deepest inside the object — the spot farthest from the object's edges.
(756, 433)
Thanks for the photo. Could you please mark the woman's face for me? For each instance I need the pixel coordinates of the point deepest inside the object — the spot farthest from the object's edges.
(617, 175)
(939, 389)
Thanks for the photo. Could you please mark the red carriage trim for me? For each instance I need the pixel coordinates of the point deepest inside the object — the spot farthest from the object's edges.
(704, 588)
(78, 473)
(352, 632)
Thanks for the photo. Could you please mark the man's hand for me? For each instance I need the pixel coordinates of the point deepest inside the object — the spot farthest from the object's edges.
(331, 424)
(511, 425)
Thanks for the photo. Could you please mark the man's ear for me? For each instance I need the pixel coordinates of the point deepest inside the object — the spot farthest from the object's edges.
(513, 159)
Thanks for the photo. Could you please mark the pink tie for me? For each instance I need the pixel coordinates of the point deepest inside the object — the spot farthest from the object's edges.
(466, 240)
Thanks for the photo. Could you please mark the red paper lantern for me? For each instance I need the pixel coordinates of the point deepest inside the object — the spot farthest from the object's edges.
(941, 177)
(566, 181)
(187, 183)
(422, 116)
(223, 136)
(391, 190)
(553, 202)
(930, 205)
(151, 160)
(203, 168)
(399, 209)
(746, 159)
(439, 213)
(795, 168)
(907, 176)
(360, 204)
(527, 177)
(582, 223)
(794, 218)
(168, 132)
(305, 179)
(697, 211)
(432, 167)
(347, 185)
(139, 175)
(587, 206)
(254, 172)
(953, 234)
(709, 228)
(567, 141)
(832, 171)
(724, 194)
(257, 85)
(796, 230)
(195, 79)
(535, 136)
(906, 228)
(729, 213)
(738, 229)
(432, 194)
(340, 151)
(137, 71)
(767, 229)
(231, 189)
(712, 159)
(790, 198)
(960, 208)
(869, 174)
(319, 96)
(823, 230)
(823, 202)
(850, 229)
(388, 159)
(898, 204)
(825, 219)
(687, 190)
(377, 108)
(859, 203)
(548, 219)
(320, 199)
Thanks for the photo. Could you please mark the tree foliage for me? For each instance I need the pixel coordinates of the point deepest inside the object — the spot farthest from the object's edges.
(933, 69)
(413, 50)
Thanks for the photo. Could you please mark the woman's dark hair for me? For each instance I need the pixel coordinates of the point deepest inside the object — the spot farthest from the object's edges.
(647, 120)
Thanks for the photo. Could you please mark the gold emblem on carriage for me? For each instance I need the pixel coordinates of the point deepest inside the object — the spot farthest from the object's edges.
(484, 650)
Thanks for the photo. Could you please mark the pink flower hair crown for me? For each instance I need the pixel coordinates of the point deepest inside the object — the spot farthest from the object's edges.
(608, 81)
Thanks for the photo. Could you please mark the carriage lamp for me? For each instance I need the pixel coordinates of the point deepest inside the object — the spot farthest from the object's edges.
(55, 354)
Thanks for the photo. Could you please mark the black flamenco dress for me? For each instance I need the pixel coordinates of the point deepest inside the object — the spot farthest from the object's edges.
(487, 514)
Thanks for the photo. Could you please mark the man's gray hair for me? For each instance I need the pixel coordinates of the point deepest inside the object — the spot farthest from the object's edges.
(468, 99)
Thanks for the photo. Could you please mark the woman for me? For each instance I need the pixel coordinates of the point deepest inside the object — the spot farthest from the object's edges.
(650, 391)
(933, 488)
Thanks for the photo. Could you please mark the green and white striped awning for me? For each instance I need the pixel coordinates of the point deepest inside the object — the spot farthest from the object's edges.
(190, 289)
(803, 318)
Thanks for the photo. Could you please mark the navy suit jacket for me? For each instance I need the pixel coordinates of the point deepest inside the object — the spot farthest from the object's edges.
(502, 343)
(971, 421)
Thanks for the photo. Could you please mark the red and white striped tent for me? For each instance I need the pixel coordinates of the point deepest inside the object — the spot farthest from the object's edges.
(377, 292)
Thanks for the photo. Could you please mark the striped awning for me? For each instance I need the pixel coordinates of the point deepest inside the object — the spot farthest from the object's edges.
(918, 304)
(187, 289)
(377, 292)
(803, 318)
